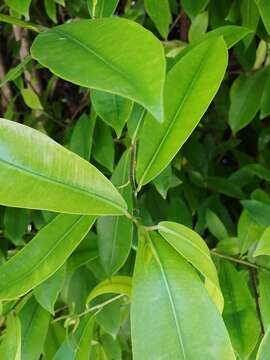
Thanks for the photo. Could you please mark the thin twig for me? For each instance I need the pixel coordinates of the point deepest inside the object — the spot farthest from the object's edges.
(254, 285)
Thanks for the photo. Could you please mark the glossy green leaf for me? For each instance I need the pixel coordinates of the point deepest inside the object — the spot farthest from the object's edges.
(264, 349)
(47, 292)
(250, 18)
(135, 68)
(82, 136)
(76, 347)
(258, 211)
(101, 8)
(194, 7)
(21, 6)
(160, 13)
(55, 337)
(264, 9)
(116, 284)
(193, 248)
(244, 105)
(113, 109)
(48, 250)
(103, 145)
(41, 174)
(248, 232)
(51, 10)
(35, 324)
(185, 103)
(198, 27)
(263, 247)
(115, 233)
(239, 311)
(10, 347)
(188, 325)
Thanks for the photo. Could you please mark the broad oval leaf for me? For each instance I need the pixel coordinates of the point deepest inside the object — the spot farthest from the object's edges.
(41, 174)
(172, 315)
(115, 55)
(190, 86)
(48, 250)
(116, 284)
(192, 247)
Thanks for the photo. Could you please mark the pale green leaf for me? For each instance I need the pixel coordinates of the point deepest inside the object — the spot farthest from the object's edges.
(21, 6)
(172, 315)
(160, 13)
(31, 99)
(264, 349)
(101, 8)
(10, 347)
(43, 255)
(116, 284)
(263, 247)
(193, 248)
(41, 174)
(135, 68)
(185, 103)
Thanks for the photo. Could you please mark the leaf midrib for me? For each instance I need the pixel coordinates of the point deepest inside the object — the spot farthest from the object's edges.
(60, 183)
(177, 113)
(171, 300)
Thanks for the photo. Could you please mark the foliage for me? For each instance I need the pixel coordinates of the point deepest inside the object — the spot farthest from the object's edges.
(134, 179)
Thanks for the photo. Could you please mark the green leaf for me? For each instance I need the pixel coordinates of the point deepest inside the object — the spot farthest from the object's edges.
(101, 8)
(258, 211)
(198, 27)
(20, 6)
(239, 311)
(194, 7)
(15, 224)
(31, 99)
(82, 136)
(76, 347)
(113, 109)
(51, 10)
(48, 251)
(160, 13)
(135, 68)
(248, 232)
(47, 292)
(54, 339)
(225, 186)
(264, 349)
(250, 18)
(111, 347)
(116, 284)
(115, 233)
(193, 248)
(103, 145)
(41, 174)
(264, 293)
(265, 102)
(215, 225)
(263, 247)
(10, 347)
(35, 323)
(187, 325)
(244, 105)
(15, 72)
(185, 103)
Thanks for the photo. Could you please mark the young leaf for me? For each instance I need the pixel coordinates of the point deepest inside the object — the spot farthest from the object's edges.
(185, 103)
(248, 232)
(46, 293)
(188, 325)
(135, 68)
(215, 225)
(31, 99)
(263, 247)
(115, 233)
(41, 174)
(116, 284)
(10, 347)
(48, 251)
(258, 211)
(113, 109)
(35, 323)
(160, 13)
(192, 247)
(239, 311)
